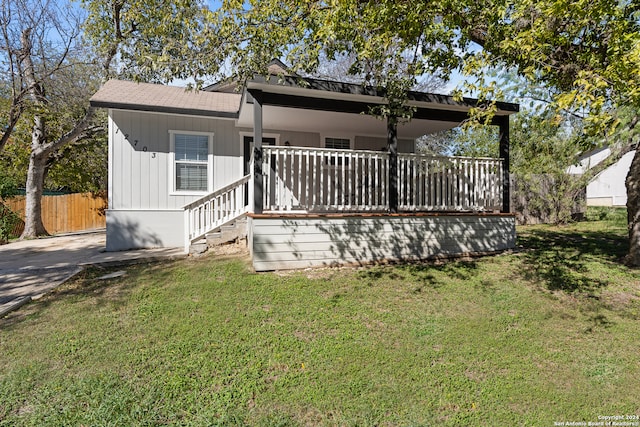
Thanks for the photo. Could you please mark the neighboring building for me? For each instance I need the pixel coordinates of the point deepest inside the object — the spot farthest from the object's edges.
(608, 187)
(319, 185)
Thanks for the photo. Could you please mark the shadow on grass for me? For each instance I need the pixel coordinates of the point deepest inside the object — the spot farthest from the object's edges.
(424, 272)
(559, 259)
(556, 259)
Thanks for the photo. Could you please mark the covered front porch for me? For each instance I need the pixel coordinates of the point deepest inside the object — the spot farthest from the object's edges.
(364, 177)
(374, 198)
(323, 207)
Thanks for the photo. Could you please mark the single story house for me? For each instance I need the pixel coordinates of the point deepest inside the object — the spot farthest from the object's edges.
(607, 188)
(319, 180)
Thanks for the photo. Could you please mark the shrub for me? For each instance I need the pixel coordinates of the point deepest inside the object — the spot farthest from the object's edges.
(8, 218)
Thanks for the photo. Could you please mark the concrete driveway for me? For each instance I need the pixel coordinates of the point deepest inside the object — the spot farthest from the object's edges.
(31, 268)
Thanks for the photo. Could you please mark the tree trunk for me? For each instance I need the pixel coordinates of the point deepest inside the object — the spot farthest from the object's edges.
(33, 226)
(633, 210)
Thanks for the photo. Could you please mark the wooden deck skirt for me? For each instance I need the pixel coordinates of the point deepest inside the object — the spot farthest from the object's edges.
(290, 241)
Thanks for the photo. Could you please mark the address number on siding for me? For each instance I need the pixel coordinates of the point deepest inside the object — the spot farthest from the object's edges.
(145, 149)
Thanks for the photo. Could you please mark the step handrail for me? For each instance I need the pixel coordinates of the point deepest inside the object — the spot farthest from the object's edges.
(214, 210)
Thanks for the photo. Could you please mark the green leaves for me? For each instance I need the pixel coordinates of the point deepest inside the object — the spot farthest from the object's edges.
(155, 40)
(588, 50)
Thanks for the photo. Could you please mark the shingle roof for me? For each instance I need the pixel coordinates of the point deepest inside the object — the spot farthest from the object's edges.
(167, 99)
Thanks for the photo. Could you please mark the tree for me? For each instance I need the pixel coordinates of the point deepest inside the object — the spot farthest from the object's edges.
(79, 167)
(156, 40)
(50, 77)
(542, 150)
(83, 173)
(339, 68)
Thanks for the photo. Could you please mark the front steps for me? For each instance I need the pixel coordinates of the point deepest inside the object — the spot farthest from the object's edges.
(228, 233)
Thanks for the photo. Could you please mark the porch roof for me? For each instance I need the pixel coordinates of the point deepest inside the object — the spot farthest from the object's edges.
(305, 87)
(300, 103)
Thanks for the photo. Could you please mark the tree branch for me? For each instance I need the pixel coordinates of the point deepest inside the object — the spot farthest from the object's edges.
(82, 129)
(15, 112)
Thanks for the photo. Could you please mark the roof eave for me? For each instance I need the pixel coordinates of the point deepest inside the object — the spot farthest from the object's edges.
(164, 109)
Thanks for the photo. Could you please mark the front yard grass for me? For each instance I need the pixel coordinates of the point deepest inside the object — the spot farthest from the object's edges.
(544, 335)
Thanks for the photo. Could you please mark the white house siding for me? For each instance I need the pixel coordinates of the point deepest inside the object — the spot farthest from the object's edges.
(299, 242)
(140, 179)
(133, 229)
(380, 144)
(298, 139)
(140, 169)
(608, 187)
(313, 139)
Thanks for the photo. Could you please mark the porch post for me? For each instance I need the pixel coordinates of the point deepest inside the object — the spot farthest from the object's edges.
(503, 123)
(392, 142)
(257, 150)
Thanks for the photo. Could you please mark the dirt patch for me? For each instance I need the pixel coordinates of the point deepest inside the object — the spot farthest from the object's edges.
(316, 272)
(231, 249)
(235, 248)
(620, 300)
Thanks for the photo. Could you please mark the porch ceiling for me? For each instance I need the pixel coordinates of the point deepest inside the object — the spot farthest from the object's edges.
(335, 108)
(334, 123)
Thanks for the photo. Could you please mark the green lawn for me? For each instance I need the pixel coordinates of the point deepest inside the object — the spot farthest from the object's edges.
(547, 334)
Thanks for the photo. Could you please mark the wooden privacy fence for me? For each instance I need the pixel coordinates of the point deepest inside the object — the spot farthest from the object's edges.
(66, 213)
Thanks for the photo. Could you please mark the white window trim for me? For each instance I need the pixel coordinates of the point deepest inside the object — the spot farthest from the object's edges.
(172, 163)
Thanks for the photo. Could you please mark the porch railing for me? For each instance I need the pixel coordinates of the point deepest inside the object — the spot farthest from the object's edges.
(215, 209)
(317, 179)
(328, 180)
(449, 183)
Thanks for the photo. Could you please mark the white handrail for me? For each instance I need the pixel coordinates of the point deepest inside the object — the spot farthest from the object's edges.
(324, 180)
(215, 209)
(449, 183)
(306, 179)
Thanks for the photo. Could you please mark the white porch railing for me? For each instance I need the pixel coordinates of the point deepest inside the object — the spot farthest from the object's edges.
(326, 180)
(449, 183)
(215, 209)
(318, 179)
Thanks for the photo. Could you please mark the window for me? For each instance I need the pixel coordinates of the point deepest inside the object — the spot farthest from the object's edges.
(337, 143)
(191, 162)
